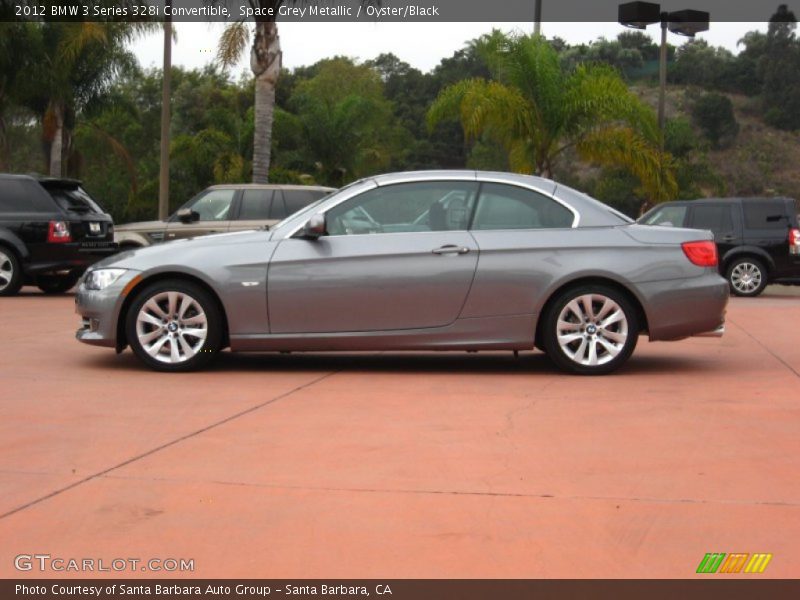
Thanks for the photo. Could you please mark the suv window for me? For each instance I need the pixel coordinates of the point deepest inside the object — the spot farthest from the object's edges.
(510, 207)
(405, 207)
(73, 199)
(756, 213)
(214, 206)
(19, 195)
(297, 199)
(717, 218)
(256, 205)
(670, 216)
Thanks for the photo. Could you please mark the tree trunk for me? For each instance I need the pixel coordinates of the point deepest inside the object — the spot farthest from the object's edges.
(265, 62)
(57, 145)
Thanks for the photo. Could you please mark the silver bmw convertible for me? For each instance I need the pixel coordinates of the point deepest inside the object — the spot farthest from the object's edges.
(438, 260)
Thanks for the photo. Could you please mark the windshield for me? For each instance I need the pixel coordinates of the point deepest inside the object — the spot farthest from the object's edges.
(74, 199)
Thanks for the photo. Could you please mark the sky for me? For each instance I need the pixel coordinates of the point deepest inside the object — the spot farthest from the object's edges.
(422, 45)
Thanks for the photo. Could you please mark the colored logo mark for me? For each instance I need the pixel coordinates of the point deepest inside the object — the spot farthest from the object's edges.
(737, 562)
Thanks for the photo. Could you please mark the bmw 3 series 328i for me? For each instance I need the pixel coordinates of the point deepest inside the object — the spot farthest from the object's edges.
(439, 260)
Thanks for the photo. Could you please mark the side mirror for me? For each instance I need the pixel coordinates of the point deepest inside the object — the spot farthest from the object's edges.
(314, 227)
(187, 215)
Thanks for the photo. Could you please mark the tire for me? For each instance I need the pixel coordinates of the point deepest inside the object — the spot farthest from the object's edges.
(57, 284)
(746, 276)
(10, 272)
(165, 344)
(590, 341)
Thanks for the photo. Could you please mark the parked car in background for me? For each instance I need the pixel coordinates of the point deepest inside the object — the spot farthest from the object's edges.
(223, 208)
(758, 239)
(498, 261)
(51, 230)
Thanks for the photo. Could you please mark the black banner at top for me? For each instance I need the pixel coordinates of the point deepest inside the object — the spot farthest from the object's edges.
(367, 10)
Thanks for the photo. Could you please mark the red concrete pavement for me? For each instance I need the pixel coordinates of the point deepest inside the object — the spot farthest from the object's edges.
(392, 465)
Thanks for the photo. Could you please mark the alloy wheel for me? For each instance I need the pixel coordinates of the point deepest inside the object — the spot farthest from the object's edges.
(592, 329)
(171, 327)
(746, 277)
(6, 270)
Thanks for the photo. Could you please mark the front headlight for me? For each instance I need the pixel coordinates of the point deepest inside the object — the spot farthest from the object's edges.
(102, 278)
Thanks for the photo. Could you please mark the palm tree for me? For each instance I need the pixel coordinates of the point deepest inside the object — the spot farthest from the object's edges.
(73, 65)
(537, 110)
(265, 62)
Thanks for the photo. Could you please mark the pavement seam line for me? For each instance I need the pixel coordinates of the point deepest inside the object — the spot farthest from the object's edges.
(462, 492)
(166, 445)
(760, 343)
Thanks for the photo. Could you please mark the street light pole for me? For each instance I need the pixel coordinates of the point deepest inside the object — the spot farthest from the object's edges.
(537, 17)
(662, 74)
(163, 176)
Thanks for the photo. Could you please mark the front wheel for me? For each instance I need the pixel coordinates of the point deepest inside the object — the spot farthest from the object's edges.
(746, 277)
(590, 330)
(174, 326)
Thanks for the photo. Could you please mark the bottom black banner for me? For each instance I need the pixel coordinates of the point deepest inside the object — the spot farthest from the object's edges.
(400, 589)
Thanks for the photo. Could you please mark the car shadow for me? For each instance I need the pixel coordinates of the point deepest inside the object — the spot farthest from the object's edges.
(480, 363)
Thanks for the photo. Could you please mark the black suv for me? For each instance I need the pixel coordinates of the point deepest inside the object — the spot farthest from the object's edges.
(757, 238)
(50, 232)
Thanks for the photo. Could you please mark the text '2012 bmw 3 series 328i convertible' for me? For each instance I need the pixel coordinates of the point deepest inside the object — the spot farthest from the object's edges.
(439, 260)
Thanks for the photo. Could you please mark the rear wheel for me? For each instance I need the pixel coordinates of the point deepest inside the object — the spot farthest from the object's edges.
(590, 330)
(746, 276)
(174, 326)
(10, 272)
(57, 284)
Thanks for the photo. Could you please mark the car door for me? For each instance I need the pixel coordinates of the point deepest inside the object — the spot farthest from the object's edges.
(377, 269)
(721, 219)
(521, 233)
(213, 210)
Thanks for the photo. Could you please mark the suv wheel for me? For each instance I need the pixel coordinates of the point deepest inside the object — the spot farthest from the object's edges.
(10, 273)
(590, 330)
(174, 326)
(746, 276)
(57, 284)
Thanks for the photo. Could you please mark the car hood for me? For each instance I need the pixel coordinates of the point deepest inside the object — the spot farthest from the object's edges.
(180, 252)
(142, 226)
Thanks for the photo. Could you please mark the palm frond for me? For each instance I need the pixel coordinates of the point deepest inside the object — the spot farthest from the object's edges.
(232, 43)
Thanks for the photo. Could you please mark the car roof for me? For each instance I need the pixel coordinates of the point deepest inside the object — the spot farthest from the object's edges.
(43, 179)
(268, 186)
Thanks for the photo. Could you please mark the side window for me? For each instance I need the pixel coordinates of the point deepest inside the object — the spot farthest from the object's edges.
(297, 199)
(716, 218)
(668, 216)
(756, 213)
(23, 196)
(256, 205)
(406, 207)
(510, 207)
(215, 205)
(278, 210)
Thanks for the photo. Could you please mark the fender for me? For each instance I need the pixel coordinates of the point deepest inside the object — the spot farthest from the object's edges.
(11, 239)
(748, 250)
(131, 238)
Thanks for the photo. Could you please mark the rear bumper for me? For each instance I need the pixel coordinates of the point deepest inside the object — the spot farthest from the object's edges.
(68, 257)
(678, 309)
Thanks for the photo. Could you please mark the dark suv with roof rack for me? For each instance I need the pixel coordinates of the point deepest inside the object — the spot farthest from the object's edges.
(758, 239)
(51, 230)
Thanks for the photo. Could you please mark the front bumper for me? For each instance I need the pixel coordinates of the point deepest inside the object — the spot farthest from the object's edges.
(100, 310)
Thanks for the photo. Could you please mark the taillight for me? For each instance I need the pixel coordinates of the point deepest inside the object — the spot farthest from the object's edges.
(702, 254)
(794, 241)
(58, 232)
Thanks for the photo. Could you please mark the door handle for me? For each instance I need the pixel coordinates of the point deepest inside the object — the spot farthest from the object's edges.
(451, 249)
